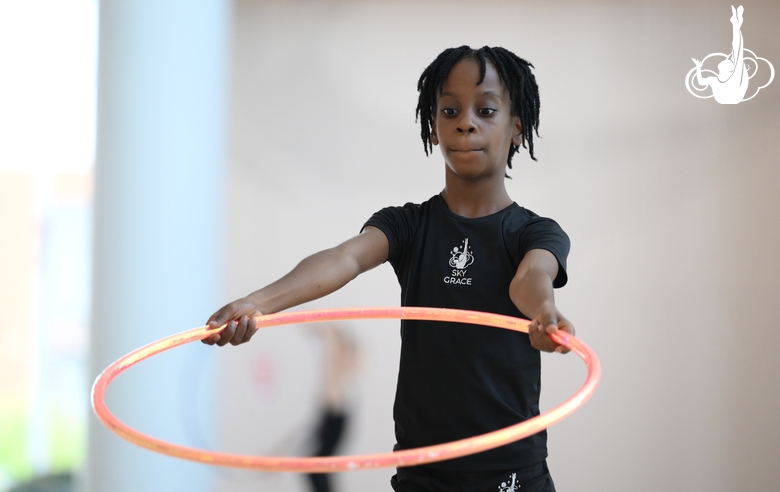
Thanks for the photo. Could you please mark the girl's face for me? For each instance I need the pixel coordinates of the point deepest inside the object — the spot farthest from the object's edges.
(473, 124)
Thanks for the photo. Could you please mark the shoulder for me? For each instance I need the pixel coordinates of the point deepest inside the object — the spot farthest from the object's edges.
(400, 223)
(408, 214)
(532, 231)
(523, 220)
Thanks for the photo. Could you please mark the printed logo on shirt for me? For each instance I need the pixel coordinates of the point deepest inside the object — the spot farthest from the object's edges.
(511, 485)
(460, 259)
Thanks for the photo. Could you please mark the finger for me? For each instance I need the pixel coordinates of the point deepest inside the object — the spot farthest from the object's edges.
(227, 333)
(565, 327)
(251, 329)
(535, 342)
(559, 347)
(548, 319)
(211, 340)
(541, 341)
(220, 317)
(213, 323)
(214, 337)
(238, 337)
(546, 346)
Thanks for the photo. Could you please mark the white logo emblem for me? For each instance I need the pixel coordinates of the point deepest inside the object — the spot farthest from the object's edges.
(509, 486)
(735, 70)
(461, 257)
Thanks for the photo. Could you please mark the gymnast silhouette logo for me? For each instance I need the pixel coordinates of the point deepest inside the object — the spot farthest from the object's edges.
(461, 257)
(735, 70)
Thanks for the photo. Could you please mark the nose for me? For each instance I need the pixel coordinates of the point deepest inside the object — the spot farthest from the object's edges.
(466, 123)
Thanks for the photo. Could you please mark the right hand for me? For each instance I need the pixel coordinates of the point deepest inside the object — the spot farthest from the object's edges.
(239, 320)
(543, 325)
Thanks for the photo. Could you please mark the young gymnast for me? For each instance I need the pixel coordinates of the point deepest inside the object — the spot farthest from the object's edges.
(468, 247)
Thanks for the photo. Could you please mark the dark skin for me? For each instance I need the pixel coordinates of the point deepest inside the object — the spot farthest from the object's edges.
(474, 128)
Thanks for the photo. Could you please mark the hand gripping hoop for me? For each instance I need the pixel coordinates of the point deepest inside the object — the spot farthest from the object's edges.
(408, 457)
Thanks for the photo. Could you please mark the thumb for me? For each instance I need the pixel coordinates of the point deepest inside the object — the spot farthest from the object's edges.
(550, 322)
(221, 317)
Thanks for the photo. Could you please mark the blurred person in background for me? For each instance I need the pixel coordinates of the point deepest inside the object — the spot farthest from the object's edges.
(340, 358)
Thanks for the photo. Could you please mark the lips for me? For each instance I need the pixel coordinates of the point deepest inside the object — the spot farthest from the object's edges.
(466, 150)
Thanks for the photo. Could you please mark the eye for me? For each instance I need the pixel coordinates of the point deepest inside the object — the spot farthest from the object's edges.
(486, 111)
(449, 111)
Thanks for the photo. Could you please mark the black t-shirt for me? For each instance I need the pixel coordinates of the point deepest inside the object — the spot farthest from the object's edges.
(457, 380)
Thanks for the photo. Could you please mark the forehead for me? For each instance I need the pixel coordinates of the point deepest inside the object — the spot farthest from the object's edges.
(464, 76)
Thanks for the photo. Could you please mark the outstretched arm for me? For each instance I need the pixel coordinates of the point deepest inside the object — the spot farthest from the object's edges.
(314, 277)
(531, 291)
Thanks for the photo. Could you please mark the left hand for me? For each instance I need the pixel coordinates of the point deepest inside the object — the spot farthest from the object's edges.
(545, 323)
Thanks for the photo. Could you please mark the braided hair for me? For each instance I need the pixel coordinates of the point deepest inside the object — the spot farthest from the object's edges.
(514, 72)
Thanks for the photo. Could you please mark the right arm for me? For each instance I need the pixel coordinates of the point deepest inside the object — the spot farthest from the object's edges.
(316, 276)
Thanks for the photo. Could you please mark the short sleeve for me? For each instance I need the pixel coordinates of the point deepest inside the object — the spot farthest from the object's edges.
(399, 225)
(544, 233)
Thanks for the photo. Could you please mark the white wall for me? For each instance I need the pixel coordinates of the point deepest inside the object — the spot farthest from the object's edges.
(671, 203)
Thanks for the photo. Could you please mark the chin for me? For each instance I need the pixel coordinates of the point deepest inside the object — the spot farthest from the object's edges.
(471, 170)
(468, 174)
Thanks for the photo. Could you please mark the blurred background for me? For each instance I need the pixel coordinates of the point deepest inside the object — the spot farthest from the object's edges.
(161, 158)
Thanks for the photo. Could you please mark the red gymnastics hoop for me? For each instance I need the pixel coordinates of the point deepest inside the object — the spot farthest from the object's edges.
(408, 457)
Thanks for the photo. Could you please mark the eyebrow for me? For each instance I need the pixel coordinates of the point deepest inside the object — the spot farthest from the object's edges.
(483, 93)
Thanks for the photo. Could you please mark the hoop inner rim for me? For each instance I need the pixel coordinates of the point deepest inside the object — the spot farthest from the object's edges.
(326, 464)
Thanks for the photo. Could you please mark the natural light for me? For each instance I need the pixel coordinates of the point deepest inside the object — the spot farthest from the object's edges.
(47, 144)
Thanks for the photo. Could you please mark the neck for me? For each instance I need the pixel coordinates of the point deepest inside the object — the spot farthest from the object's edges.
(477, 198)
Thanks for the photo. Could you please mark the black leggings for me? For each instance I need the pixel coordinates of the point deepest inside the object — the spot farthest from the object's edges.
(328, 437)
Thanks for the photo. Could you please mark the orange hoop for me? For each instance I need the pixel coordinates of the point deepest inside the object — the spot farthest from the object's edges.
(408, 457)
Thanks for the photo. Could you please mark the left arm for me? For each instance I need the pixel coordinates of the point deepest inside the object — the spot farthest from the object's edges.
(531, 290)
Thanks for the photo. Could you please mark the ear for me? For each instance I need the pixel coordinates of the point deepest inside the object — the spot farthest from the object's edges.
(517, 133)
(434, 135)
